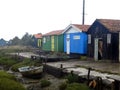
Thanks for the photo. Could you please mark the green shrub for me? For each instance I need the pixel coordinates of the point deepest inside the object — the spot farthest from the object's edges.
(77, 86)
(83, 58)
(25, 62)
(72, 78)
(45, 83)
(62, 86)
(7, 60)
(8, 84)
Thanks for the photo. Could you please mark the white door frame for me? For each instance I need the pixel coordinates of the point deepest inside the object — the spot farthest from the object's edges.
(96, 49)
(119, 46)
(68, 44)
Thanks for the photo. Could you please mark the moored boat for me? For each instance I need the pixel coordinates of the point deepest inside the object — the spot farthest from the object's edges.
(31, 71)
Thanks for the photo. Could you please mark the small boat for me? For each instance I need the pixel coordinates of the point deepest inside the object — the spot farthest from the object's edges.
(31, 71)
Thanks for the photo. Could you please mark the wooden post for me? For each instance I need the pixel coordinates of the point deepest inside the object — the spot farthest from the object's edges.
(83, 16)
(119, 47)
(61, 66)
(88, 76)
(72, 72)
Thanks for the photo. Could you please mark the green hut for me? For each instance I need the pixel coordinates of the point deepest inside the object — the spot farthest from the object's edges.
(53, 41)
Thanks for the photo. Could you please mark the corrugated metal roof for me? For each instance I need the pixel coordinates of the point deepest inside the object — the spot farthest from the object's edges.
(111, 24)
(56, 32)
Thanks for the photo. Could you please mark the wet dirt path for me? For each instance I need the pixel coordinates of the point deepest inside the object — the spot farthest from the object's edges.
(101, 66)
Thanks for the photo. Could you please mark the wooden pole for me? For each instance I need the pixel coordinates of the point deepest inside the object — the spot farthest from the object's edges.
(119, 47)
(83, 15)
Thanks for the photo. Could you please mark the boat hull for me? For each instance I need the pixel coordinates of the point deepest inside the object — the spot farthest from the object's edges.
(31, 72)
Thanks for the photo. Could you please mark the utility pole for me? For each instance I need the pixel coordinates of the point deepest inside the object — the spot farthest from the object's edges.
(83, 14)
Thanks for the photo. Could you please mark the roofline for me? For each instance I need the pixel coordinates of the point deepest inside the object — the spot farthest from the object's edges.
(53, 34)
(71, 25)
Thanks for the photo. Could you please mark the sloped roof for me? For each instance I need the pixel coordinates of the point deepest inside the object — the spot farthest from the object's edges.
(84, 28)
(39, 35)
(111, 24)
(79, 27)
(56, 32)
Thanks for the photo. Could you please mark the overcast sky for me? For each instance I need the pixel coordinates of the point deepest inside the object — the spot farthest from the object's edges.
(41, 16)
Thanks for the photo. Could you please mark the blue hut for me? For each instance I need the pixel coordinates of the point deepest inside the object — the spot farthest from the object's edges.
(75, 39)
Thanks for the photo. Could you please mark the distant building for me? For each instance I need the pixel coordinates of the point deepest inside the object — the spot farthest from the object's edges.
(3, 42)
(53, 41)
(37, 40)
(104, 40)
(75, 39)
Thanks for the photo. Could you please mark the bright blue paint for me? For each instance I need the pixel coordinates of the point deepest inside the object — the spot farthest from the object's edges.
(77, 45)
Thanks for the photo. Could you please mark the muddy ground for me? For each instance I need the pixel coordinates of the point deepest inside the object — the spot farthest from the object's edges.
(34, 84)
(103, 66)
(97, 65)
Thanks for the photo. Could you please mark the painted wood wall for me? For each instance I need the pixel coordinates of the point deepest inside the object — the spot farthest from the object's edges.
(53, 43)
(78, 43)
(109, 50)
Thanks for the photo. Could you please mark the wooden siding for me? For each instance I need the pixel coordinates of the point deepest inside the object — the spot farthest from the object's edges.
(58, 43)
(46, 45)
(53, 43)
(78, 43)
(109, 50)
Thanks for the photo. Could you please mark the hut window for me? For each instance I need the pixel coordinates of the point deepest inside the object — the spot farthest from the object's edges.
(108, 38)
(89, 39)
(76, 37)
(44, 40)
(68, 36)
(48, 38)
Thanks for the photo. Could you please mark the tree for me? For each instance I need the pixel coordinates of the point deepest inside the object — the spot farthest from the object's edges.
(26, 39)
(15, 41)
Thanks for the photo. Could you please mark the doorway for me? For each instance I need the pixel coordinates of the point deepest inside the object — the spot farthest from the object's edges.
(98, 49)
(52, 43)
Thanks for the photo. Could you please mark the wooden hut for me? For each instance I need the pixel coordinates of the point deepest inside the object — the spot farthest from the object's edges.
(37, 40)
(75, 39)
(53, 41)
(103, 40)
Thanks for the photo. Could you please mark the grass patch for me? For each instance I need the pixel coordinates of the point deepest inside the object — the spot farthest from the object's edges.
(14, 48)
(4, 74)
(25, 62)
(83, 57)
(8, 84)
(45, 83)
(72, 78)
(77, 86)
(63, 86)
(7, 60)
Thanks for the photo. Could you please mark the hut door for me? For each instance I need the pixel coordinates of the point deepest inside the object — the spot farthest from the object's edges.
(98, 49)
(68, 44)
(52, 43)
